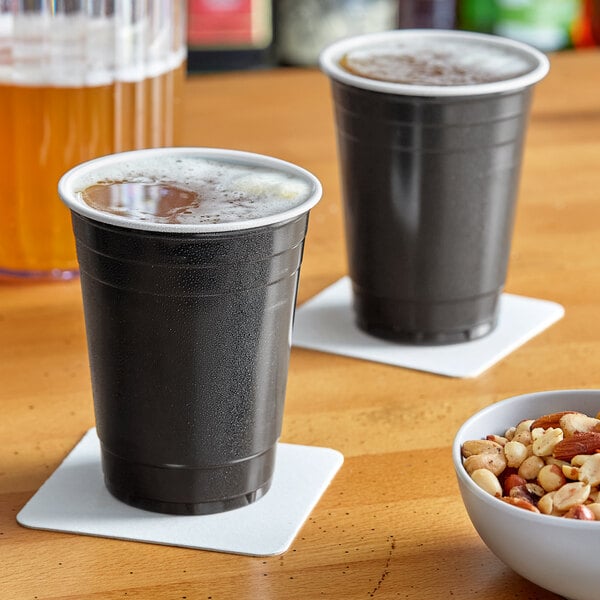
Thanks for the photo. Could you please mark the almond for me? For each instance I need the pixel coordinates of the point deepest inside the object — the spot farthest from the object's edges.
(551, 420)
(578, 443)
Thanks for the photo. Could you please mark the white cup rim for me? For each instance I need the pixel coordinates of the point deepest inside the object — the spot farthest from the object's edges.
(329, 61)
(76, 179)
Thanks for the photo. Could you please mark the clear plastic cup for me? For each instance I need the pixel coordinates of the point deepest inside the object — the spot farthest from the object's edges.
(78, 80)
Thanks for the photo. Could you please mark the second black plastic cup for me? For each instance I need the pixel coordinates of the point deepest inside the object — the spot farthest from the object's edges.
(430, 178)
(188, 330)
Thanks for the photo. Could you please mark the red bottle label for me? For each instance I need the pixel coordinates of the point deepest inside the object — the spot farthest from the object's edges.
(229, 23)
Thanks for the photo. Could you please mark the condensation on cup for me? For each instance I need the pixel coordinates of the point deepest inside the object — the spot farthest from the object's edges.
(82, 80)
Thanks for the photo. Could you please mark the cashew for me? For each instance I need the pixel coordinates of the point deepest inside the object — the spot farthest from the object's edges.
(496, 463)
(497, 438)
(579, 459)
(473, 447)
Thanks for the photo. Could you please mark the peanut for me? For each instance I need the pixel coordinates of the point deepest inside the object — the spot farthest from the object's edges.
(530, 467)
(550, 460)
(515, 453)
(525, 425)
(570, 472)
(551, 478)
(487, 481)
(571, 494)
(546, 504)
(544, 442)
(595, 508)
(589, 472)
(550, 465)
(577, 423)
(581, 512)
(523, 436)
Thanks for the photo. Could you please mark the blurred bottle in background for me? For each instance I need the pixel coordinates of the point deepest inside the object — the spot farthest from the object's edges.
(230, 34)
(587, 29)
(549, 25)
(242, 34)
(594, 7)
(477, 15)
(305, 27)
(434, 14)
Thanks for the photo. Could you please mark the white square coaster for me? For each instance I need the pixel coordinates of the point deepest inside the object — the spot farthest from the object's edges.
(75, 500)
(326, 323)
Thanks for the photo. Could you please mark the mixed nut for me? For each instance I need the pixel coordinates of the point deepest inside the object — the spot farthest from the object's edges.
(549, 465)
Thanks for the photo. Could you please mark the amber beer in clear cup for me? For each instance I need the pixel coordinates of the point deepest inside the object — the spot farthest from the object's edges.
(93, 79)
(430, 127)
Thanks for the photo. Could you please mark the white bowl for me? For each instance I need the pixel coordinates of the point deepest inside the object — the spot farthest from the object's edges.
(558, 554)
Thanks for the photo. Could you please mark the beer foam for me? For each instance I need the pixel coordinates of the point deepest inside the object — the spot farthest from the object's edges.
(214, 191)
(80, 49)
(437, 61)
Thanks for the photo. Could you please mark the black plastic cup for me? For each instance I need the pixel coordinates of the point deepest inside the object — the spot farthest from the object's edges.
(430, 178)
(188, 331)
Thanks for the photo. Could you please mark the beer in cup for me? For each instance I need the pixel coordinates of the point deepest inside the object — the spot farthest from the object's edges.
(430, 129)
(83, 80)
(189, 262)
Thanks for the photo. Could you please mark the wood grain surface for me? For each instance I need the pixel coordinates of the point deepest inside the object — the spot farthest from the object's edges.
(391, 525)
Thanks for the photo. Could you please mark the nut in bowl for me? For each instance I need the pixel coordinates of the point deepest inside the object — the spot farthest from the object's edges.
(557, 553)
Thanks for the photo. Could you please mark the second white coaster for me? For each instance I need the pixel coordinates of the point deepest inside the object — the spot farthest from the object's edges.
(75, 500)
(326, 323)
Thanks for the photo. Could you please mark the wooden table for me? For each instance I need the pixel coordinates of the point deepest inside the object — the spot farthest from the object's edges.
(391, 525)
